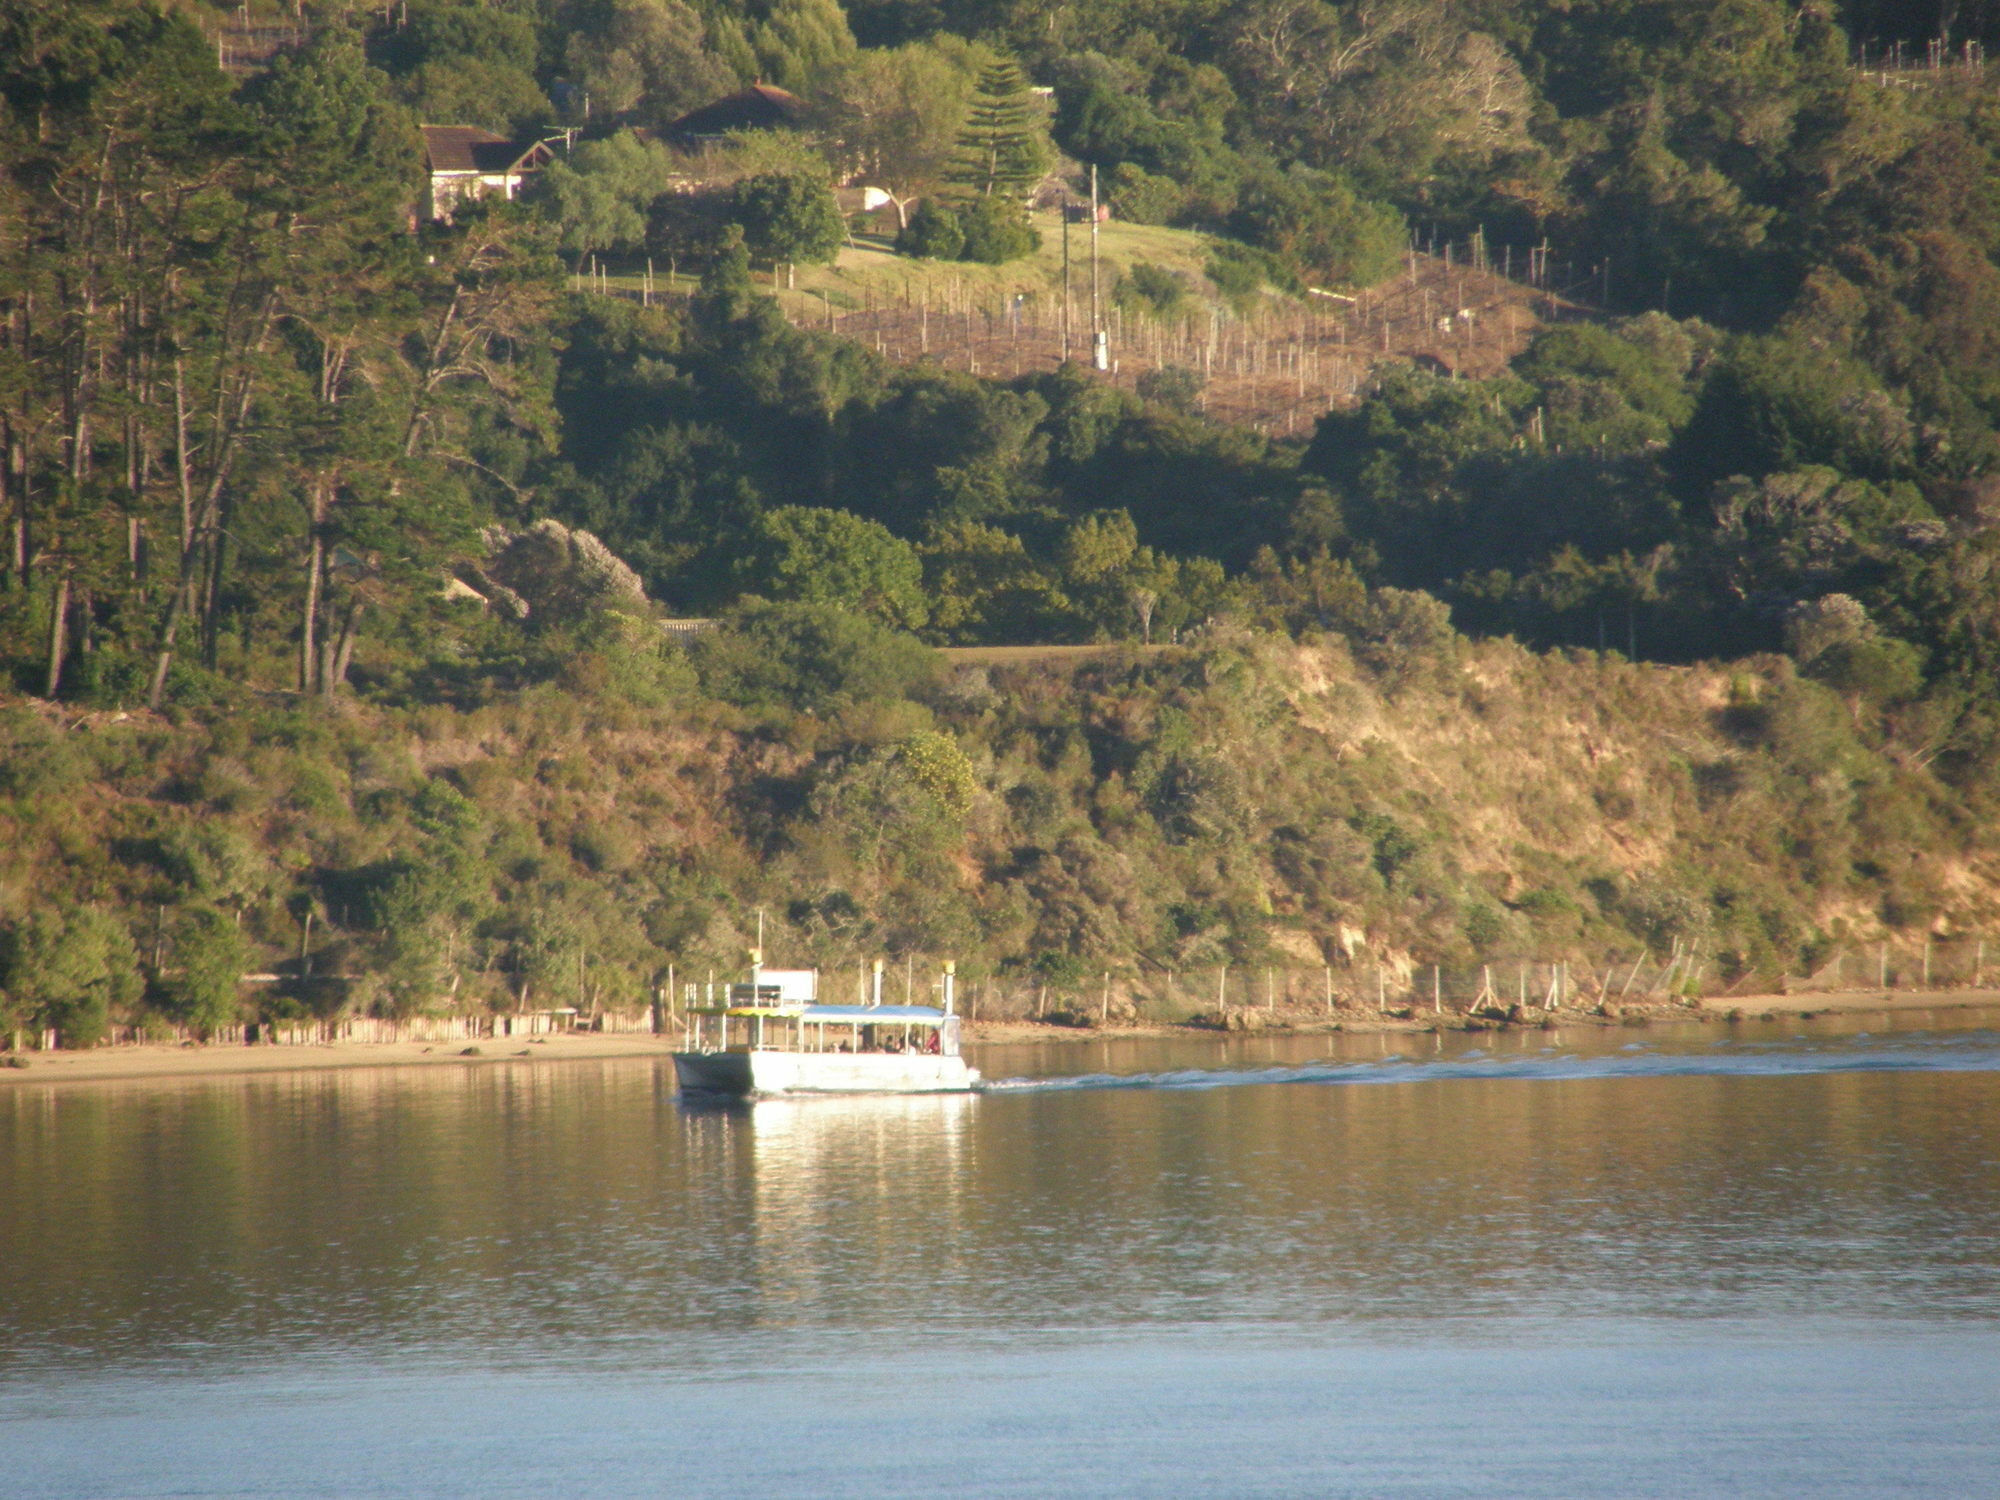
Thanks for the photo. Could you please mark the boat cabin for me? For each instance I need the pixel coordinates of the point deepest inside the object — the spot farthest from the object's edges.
(771, 1035)
(773, 1026)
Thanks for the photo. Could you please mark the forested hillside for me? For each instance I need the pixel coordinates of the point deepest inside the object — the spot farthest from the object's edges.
(300, 477)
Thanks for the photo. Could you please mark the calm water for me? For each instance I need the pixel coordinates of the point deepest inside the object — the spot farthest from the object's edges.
(1631, 1263)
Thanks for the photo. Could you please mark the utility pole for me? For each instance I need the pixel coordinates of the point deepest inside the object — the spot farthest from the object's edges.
(1100, 352)
(1065, 295)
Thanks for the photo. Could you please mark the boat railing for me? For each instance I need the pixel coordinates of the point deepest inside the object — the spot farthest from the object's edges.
(820, 1029)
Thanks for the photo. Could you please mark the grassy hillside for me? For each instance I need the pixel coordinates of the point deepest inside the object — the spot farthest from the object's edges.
(1045, 823)
(867, 272)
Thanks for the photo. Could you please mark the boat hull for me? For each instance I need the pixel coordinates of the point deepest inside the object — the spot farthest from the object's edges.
(746, 1073)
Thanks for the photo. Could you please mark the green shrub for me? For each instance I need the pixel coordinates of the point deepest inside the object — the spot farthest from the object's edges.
(997, 231)
(807, 657)
(1153, 289)
(1547, 906)
(1173, 386)
(209, 860)
(624, 659)
(1142, 197)
(934, 232)
(37, 759)
(936, 764)
(1484, 927)
(1878, 669)
(108, 678)
(1241, 271)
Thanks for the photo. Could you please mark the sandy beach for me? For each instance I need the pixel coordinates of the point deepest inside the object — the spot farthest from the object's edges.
(1850, 1000)
(179, 1061)
(166, 1060)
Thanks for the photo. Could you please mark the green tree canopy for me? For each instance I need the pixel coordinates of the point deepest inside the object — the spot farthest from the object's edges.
(67, 969)
(199, 986)
(599, 197)
(894, 115)
(823, 556)
(787, 216)
(649, 61)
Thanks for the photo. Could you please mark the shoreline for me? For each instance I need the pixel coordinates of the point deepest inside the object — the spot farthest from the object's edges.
(165, 1061)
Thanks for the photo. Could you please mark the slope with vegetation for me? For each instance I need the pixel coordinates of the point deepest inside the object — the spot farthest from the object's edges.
(310, 494)
(1237, 802)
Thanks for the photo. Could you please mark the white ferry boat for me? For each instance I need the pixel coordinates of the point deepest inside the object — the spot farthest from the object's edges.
(772, 1035)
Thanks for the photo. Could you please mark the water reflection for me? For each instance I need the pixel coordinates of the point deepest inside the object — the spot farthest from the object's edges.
(491, 1212)
(835, 1203)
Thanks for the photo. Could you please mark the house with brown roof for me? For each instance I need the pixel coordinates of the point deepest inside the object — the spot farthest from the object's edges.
(466, 162)
(762, 106)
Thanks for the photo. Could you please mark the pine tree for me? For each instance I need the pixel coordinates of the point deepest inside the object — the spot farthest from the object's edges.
(1001, 147)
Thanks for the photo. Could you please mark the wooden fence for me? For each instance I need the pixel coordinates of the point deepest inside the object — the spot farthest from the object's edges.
(1683, 973)
(1458, 307)
(345, 1029)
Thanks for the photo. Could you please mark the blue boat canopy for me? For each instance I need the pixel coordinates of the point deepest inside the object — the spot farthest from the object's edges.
(904, 1015)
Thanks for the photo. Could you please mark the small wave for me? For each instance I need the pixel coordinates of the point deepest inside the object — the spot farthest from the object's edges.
(1971, 1052)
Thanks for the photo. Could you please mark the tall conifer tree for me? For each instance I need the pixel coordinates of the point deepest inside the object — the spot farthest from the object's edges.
(1001, 147)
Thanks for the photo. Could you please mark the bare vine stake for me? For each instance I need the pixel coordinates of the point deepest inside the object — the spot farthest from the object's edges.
(1632, 976)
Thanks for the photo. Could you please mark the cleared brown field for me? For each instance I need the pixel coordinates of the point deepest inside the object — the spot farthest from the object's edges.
(1277, 367)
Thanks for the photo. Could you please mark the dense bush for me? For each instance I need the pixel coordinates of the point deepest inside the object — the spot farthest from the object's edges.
(934, 232)
(996, 231)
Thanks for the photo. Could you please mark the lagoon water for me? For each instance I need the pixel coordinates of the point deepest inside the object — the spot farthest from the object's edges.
(1757, 1261)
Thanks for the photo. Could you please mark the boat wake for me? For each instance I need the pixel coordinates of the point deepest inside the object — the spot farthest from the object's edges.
(1965, 1052)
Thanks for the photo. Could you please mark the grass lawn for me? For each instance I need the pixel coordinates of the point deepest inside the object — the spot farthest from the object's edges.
(869, 272)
